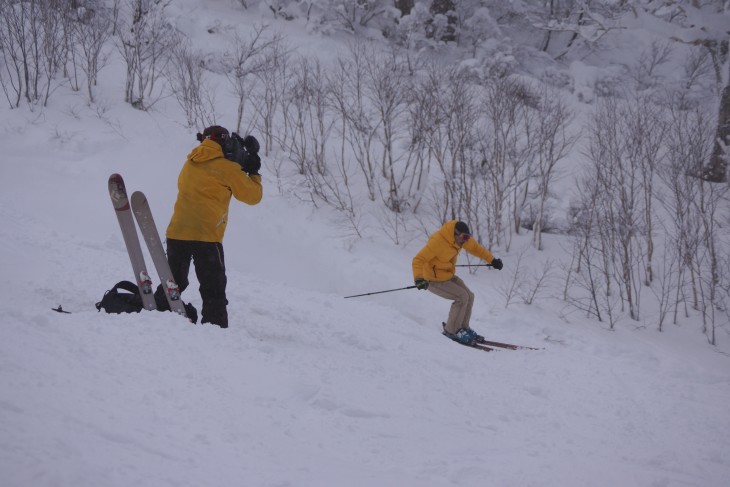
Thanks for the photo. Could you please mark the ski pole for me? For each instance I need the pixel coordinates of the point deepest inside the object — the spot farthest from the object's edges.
(474, 265)
(380, 292)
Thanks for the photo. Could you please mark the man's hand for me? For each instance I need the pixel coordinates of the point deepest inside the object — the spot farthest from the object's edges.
(251, 144)
(497, 264)
(421, 284)
(251, 164)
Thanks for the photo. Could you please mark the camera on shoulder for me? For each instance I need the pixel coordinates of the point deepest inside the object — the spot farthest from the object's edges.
(243, 151)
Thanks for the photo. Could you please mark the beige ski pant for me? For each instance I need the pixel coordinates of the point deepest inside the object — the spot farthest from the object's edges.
(463, 300)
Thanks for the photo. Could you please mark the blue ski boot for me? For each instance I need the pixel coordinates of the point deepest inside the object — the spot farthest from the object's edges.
(467, 336)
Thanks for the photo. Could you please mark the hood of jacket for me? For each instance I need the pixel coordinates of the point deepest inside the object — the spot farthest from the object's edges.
(206, 151)
(447, 233)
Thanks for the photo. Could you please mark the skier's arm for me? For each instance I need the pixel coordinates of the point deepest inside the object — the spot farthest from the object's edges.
(473, 247)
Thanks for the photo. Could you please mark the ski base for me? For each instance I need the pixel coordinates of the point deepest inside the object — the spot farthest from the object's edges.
(120, 201)
(143, 215)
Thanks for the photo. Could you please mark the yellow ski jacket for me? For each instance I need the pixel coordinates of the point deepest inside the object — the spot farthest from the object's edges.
(437, 260)
(205, 186)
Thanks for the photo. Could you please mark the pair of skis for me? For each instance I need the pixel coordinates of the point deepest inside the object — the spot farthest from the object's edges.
(140, 208)
(488, 345)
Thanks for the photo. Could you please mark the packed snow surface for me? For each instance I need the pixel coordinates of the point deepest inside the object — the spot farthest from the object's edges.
(307, 388)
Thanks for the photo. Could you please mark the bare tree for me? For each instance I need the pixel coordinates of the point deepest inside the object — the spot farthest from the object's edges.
(20, 70)
(688, 145)
(507, 148)
(355, 120)
(449, 138)
(539, 282)
(190, 88)
(247, 62)
(54, 28)
(386, 86)
(353, 15)
(144, 38)
(428, 115)
(645, 71)
(644, 132)
(665, 286)
(708, 204)
(309, 118)
(701, 24)
(617, 175)
(33, 51)
(461, 115)
(616, 218)
(424, 121)
(589, 285)
(553, 144)
(274, 86)
(90, 35)
(528, 285)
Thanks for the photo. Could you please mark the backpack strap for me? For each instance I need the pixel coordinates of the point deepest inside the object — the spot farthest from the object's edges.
(127, 286)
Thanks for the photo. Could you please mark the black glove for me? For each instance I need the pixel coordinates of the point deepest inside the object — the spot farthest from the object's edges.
(421, 284)
(244, 152)
(251, 144)
(497, 264)
(251, 164)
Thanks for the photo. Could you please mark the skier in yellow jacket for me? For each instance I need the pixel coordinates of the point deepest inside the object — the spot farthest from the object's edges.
(206, 184)
(434, 268)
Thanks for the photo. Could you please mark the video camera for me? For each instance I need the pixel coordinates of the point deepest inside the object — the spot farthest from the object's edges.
(243, 151)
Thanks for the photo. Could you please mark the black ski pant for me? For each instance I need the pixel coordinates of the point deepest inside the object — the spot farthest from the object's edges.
(210, 269)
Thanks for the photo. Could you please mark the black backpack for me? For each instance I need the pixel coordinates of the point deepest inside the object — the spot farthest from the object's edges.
(124, 302)
(131, 302)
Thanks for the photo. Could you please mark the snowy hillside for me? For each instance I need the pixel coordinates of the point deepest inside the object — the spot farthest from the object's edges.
(306, 388)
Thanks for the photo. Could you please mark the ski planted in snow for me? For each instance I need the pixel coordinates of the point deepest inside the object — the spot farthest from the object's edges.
(143, 214)
(120, 201)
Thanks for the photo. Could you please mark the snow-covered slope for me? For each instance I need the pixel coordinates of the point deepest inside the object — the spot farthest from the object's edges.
(306, 388)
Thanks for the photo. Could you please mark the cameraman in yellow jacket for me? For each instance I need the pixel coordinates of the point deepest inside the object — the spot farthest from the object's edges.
(205, 185)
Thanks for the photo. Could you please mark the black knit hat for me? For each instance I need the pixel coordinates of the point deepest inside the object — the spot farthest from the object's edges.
(462, 227)
(216, 133)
